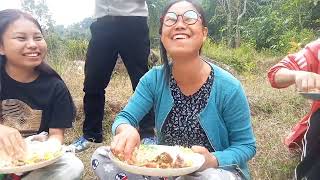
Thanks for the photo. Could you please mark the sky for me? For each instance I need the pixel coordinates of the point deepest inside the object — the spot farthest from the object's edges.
(60, 9)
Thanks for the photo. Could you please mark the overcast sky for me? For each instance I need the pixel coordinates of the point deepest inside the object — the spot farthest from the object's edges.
(60, 9)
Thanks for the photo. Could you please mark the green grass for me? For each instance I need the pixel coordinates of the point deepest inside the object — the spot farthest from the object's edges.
(274, 112)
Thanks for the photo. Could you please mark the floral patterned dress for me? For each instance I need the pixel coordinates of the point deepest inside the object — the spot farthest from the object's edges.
(182, 126)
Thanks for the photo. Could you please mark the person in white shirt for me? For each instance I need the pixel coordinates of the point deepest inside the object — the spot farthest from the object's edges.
(120, 29)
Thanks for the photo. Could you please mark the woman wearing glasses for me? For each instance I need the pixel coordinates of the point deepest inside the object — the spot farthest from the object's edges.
(196, 103)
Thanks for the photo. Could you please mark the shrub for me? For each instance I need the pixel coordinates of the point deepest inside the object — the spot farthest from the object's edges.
(292, 40)
(76, 49)
(55, 43)
(242, 59)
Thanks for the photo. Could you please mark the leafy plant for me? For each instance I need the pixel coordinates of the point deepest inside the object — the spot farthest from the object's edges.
(76, 49)
(242, 59)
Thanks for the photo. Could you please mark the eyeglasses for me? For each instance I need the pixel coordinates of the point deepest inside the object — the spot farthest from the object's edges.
(190, 17)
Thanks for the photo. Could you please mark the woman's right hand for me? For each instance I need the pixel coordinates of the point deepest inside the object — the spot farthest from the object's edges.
(307, 81)
(125, 141)
(12, 144)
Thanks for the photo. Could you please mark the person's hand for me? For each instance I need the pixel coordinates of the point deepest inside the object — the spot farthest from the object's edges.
(210, 160)
(307, 81)
(125, 141)
(41, 137)
(11, 143)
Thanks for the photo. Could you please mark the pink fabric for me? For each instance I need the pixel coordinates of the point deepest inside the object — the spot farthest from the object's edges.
(15, 177)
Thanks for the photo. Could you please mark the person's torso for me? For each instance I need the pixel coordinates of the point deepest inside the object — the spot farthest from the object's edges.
(121, 8)
(210, 117)
(26, 106)
(182, 125)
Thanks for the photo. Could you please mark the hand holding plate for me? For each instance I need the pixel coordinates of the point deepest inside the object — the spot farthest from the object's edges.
(11, 143)
(210, 159)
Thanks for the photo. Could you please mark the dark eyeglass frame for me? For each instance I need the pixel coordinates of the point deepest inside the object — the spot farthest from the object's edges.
(182, 16)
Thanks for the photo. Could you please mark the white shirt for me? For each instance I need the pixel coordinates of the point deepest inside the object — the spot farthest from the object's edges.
(121, 8)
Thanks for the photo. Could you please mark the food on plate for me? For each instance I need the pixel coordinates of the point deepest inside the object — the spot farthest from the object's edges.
(36, 152)
(153, 156)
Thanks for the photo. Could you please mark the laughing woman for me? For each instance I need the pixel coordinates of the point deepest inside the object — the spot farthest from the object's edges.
(197, 104)
(33, 96)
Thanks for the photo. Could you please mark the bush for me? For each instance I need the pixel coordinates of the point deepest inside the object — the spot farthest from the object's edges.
(62, 52)
(76, 49)
(242, 59)
(55, 43)
(292, 40)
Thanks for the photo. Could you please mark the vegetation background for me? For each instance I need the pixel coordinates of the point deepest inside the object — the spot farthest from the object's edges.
(246, 37)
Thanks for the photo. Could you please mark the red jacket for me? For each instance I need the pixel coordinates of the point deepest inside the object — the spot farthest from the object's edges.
(307, 59)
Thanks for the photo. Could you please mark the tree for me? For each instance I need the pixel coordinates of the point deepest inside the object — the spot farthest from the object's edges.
(209, 7)
(39, 10)
(80, 30)
(240, 14)
(155, 8)
(277, 24)
(230, 14)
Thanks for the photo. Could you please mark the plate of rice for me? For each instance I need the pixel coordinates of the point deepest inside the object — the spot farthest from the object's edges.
(38, 155)
(160, 160)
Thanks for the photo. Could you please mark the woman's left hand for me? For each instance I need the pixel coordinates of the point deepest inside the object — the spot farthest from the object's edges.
(41, 137)
(210, 160)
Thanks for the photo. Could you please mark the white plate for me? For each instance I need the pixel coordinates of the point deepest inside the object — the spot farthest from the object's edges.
(197, 162)
(29, 167)
(311, 95)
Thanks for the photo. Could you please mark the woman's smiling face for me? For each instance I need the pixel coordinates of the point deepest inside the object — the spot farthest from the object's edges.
(23, 44)
(182, 39)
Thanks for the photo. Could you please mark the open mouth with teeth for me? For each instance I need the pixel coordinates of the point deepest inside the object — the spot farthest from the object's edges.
(180, 36)
(35, 54)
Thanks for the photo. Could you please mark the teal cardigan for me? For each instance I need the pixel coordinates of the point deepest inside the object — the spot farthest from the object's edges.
(225, 119)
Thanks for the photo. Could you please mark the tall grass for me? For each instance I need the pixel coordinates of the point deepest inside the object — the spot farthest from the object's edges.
(63, 53)
(274, 112)
(76, 48)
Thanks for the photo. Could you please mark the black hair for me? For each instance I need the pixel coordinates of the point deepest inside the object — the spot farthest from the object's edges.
(163, 51)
